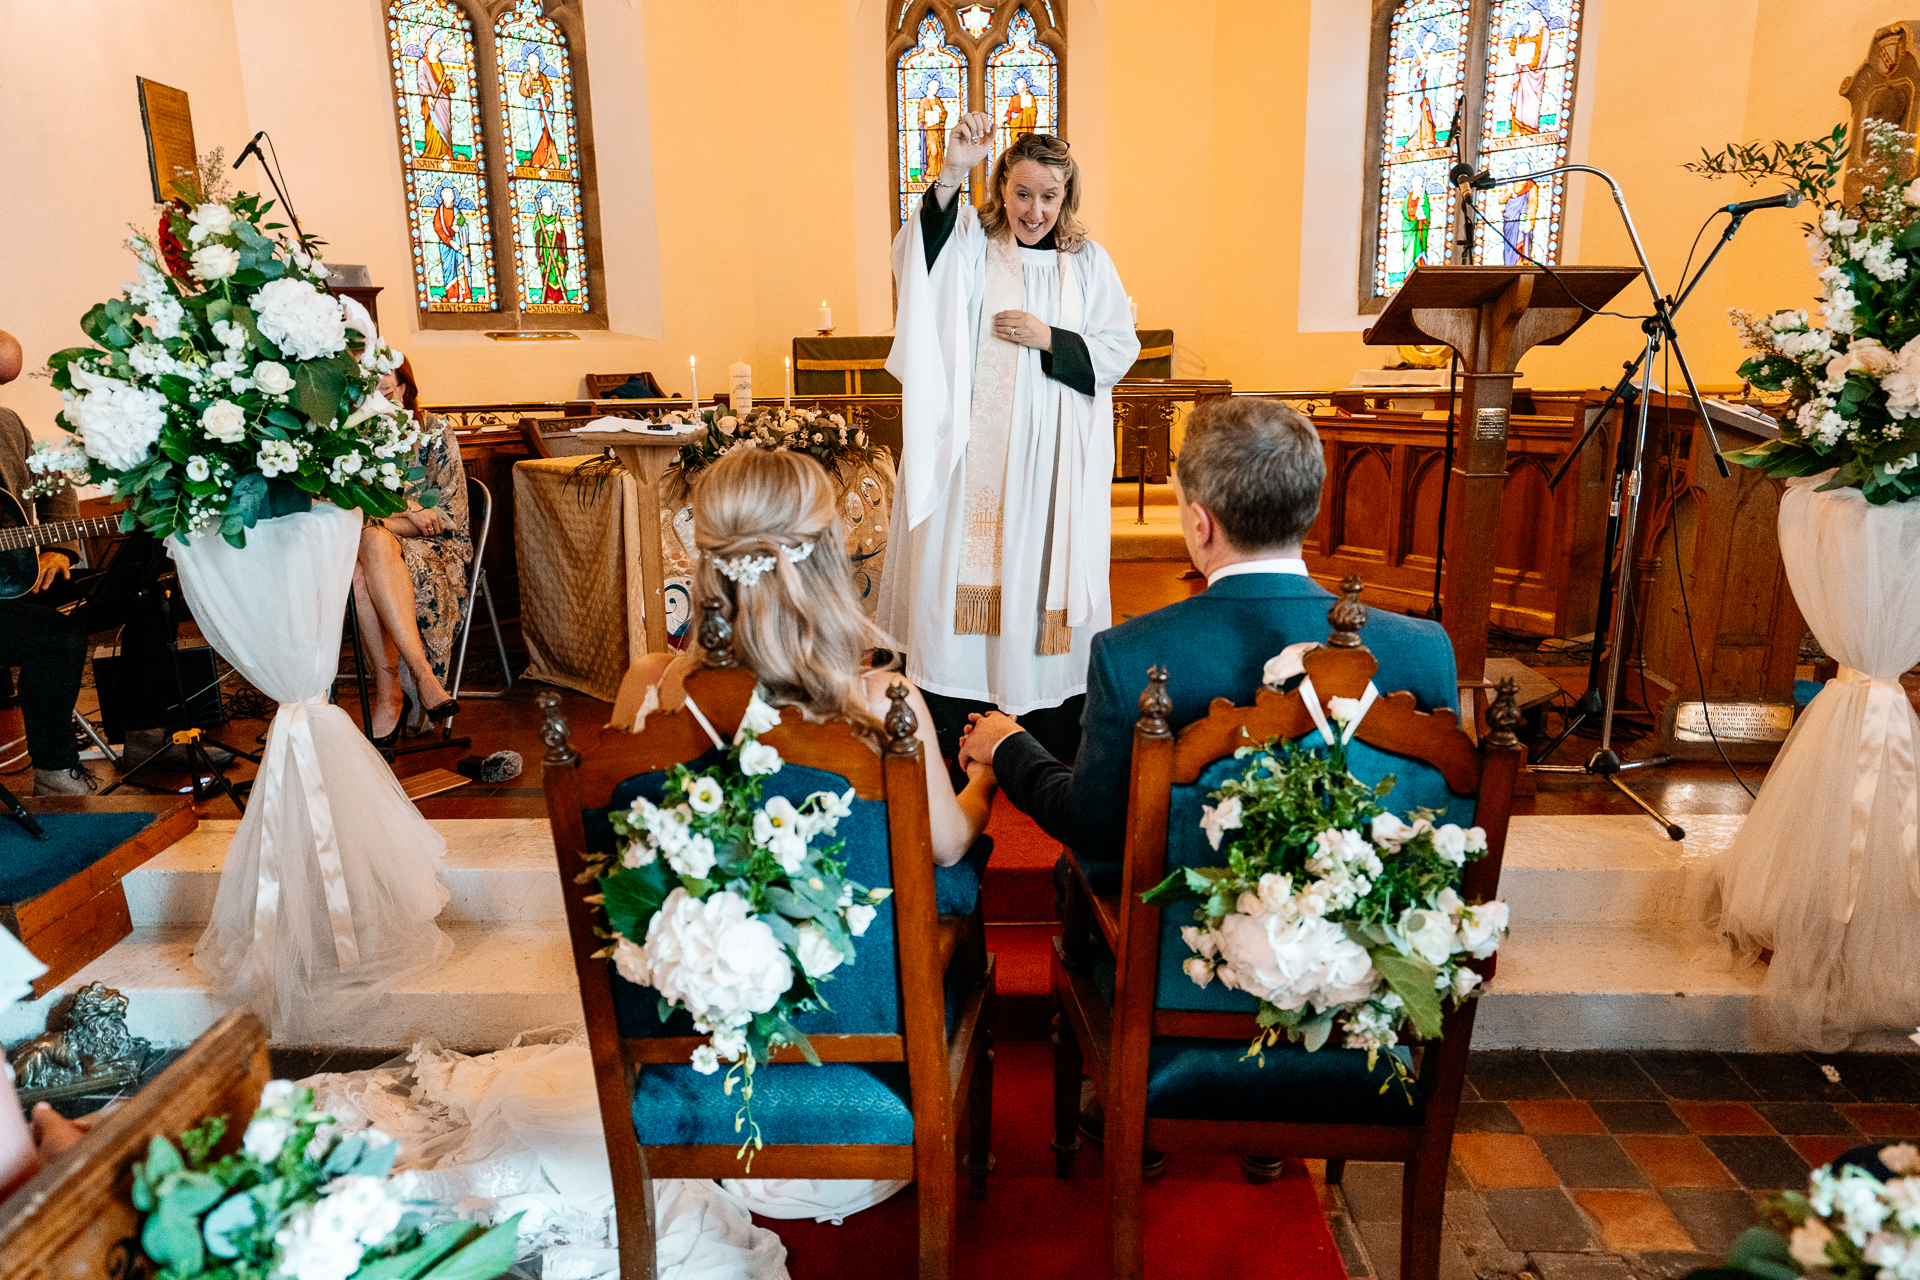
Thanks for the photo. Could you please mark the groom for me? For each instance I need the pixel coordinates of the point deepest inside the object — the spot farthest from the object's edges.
(1248, 482)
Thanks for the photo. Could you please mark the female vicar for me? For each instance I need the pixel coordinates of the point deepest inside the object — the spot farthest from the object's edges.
(1012, 328)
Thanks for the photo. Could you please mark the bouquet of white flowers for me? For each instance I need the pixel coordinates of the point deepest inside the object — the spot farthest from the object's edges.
(1330, 910)
(228, 385)
(739, 916)
(299, 1201)
(1848, 1224)
(1853, 383)
(826, 437)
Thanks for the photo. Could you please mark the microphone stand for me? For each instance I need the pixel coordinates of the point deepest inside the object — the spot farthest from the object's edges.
(1625, 506)
(1463, 233)
(253, 149)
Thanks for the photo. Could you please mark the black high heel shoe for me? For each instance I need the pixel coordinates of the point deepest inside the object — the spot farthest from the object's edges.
(388, 741)
(444, 711)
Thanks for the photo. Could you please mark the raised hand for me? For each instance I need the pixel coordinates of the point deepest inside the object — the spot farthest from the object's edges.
(966, 145)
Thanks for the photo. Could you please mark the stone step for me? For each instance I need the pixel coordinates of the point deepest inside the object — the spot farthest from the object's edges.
(499, 871)
(499, 982)
(1605, 869)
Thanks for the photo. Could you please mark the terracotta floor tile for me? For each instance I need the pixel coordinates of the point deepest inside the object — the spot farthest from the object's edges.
(1822, 1148)
(1633, 1221)
(1883, 1119)
(1503, 1160)
(1676, 1161)
(1721, 1117)
(1556, 1116)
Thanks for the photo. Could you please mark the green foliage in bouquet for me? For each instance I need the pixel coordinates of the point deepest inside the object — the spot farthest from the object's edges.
(824, 437)
(1848, 1224)
(227, 385)
(299, 1201)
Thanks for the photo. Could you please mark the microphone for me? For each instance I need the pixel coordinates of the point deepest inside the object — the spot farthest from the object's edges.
(250, 148)
(1785, 200)
(501, 766)
(1461, 173)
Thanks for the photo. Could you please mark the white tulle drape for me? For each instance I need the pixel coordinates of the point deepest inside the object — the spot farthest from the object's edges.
(1826, 868)
(332, 882)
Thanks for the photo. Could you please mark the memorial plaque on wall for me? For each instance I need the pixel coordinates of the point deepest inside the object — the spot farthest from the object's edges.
(1884, 88)
(169, 125)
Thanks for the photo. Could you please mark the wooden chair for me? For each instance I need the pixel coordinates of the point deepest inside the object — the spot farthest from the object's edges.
(76, 1217)
(598, 384)
(554, 438)
(898, 1081)
(1165, 1055)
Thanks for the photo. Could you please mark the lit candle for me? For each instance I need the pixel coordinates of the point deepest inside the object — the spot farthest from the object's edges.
(1133, 308)
(740, 378)
(693, 376)
(789, 364)
(826, 315)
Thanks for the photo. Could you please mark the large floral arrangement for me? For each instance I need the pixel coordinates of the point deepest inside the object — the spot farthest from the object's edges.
(228, 385)
(300, 1201)
(1331, 911)
(825, 437)
(1852, 380)
(728, 907)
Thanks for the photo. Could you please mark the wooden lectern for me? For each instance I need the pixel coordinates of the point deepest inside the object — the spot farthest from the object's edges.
(1491, 316)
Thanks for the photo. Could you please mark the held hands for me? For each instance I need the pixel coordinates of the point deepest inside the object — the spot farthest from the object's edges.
(429, 521)
(1020, 328)
(52, 565)
(983, 735)
(966, 146)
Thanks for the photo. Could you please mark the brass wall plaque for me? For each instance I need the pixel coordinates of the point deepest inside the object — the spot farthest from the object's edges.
(1490, 424)
(169, 125)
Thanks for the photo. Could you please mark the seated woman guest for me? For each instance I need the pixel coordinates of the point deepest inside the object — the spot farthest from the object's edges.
(410, 583)
(771, 549)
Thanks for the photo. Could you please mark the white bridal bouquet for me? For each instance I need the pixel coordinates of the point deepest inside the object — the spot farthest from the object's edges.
(1331, 911)
(228, 385)
(826, 437)
(1848, 1224)
(725, 905)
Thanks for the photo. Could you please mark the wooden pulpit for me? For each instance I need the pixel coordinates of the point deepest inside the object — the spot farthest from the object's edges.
(1491, 316)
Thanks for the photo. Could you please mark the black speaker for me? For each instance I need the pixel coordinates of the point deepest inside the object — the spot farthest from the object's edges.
(138, 693)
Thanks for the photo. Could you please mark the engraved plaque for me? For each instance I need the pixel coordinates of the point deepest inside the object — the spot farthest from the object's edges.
(1490, 424)
(169, 124)
(1733, 722)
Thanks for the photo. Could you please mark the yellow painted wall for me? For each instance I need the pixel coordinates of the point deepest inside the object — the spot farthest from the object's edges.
(744, 170)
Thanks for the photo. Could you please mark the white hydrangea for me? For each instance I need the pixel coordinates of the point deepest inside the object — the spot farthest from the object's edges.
(714, 957)
(300, 320)
(118, 424)
(1291, 965)
(818, 955)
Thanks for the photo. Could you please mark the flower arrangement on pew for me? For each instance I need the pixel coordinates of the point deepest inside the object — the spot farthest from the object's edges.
(1331, 911)
(739, 915)
(1853, 383)
(826, 437)
(1848, 1224)
(228, 386)
(300, 1201)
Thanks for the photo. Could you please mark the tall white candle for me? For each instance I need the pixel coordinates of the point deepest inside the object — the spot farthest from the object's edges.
(789, 363)
(693, 376)
(826, 315)
(740, 378)
(1133, 308)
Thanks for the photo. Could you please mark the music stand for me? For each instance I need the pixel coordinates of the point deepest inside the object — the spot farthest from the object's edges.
(1490, 316)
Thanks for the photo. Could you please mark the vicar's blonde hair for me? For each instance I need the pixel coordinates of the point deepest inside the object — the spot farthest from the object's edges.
(799, 628)
(1041, 148)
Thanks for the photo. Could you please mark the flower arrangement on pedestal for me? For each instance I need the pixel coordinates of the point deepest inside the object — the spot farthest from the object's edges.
(300, 1201)
(1853, 381)
(1330, 910)
(232, 390)
(826, 437)
(724, 904)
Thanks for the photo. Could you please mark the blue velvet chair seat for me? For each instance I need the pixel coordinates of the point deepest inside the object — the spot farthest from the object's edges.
(1207, 1080)
(836, 1103)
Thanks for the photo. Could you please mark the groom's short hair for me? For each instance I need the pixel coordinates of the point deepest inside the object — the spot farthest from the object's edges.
(1257, 466)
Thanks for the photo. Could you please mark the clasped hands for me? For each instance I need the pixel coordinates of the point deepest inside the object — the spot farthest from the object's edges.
(983, 735)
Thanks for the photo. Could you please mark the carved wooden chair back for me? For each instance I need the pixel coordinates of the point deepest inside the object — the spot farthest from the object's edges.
(76, 1216)
(627, 1038)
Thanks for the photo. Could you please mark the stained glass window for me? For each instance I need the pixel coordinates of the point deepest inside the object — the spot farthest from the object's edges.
(1527, 121)
(1023, 93)
(442, 155)
(539, 132)
(929, 88)
(1426, 87)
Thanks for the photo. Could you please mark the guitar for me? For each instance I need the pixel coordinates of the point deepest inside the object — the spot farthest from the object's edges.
(20, 541)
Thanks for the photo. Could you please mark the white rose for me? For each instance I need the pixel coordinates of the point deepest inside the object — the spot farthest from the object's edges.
(1450, 842)
(1276, 892)
(1199, 970)
(276, 1094)
(758, 718)
(225, 421)
(1345, 710)
(757, 759)
(265, 1137)
(1200, 941)
(215, 262)
(818, 955)
(706, 795)
(1464, 981)
(119, 425)
(1429, 933)
(272, 377)
(1390, 833)
(301, 321)
(375, 405)
(1808, 1244)
(714, 958)
(1865, 354)
(1481, 927)
(859, 918)
(631, 962)
(209, 220)
(1219, 819)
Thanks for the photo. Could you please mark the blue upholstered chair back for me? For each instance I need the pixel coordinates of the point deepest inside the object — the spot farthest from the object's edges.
(1417, 785)
(865, 993)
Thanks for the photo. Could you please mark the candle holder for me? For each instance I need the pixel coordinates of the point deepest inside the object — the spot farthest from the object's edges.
(823, 333)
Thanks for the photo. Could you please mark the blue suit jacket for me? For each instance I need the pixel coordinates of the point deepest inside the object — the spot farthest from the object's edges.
(1214, 645)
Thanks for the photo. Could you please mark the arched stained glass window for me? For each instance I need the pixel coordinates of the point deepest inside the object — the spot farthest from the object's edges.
(442, 154)
(1527, 122)
(929, 86)
(542, 145)
(1425, 89)
(1023, 93)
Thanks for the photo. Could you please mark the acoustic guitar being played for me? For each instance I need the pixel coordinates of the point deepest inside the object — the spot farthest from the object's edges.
(21, 540)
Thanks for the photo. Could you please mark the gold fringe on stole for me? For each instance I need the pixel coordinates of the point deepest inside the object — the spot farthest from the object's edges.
(976, 612)
(1055, 635)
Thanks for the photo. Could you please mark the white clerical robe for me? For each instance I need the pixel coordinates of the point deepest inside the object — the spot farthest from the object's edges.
(1059, 469)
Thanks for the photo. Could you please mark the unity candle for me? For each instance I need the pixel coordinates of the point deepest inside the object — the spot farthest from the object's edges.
(826, 315)
(740, 379)
(693, 376)
(788, 360)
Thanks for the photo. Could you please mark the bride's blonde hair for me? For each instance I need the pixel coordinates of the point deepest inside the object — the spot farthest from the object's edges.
(771, 551)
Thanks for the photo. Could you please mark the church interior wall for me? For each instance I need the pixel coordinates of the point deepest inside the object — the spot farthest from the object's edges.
(740, 149)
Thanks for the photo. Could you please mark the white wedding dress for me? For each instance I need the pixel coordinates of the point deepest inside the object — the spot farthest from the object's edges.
(332, 882)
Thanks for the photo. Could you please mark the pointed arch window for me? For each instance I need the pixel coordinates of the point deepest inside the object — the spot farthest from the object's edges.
(497, 151)
(1007, 59)
(1483, 82)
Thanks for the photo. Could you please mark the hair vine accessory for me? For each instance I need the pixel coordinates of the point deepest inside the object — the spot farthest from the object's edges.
(796, 554)
(745, 570)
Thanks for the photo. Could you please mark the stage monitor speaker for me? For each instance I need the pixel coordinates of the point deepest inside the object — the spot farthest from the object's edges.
(140, 694)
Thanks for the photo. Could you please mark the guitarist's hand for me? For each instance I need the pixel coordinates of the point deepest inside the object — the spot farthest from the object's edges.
(52, 565)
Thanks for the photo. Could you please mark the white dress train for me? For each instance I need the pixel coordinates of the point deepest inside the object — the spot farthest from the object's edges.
(331, 884)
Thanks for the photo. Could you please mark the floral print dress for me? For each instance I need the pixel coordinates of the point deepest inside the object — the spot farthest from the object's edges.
(440, 565)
